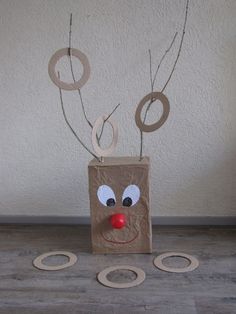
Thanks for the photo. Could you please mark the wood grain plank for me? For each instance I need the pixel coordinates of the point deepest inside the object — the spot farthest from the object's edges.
(25, 289)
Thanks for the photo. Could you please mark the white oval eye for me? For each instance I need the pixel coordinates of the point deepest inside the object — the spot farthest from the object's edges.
(131, 195)
(106, 195)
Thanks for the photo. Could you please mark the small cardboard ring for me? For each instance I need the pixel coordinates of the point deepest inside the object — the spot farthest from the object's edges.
(52, 69)
(38, 260)
(102, 277)
(166, 110)
(158, 262)
(98, 150)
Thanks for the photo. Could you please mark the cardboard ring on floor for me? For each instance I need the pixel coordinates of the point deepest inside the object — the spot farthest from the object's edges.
(166, 110)
(98, 150)
(52, 69)
(158, 262)
(38, 260)
(102, 277)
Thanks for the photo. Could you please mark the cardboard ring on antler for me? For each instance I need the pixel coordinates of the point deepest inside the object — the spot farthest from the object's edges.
(38, 260)
(98, 150)
(166, 109)
(52, 69)
(158, 262)
(102, 277)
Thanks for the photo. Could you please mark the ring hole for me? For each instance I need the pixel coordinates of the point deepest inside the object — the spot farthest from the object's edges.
(122, 276)
(96, 146)
(55, 260)
(107, 135)
(63, 66)
(154, 113)
(176, 262)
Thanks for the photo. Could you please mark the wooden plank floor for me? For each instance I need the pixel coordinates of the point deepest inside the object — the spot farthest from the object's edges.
(210, 289)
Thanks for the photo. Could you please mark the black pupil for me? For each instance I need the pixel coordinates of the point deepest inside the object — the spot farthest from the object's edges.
(111, 202)
(127, 202)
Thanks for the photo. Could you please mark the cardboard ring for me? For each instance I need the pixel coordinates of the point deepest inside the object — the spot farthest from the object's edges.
(102, 277)
(52, 69)
(158, 262)
(38, 260)
(166, 110)
(98, 150)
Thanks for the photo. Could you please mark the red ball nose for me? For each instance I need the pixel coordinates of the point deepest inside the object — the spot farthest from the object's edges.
(118, 221)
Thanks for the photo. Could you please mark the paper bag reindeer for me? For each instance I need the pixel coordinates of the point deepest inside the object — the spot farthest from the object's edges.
(118, 186)
(119, 202)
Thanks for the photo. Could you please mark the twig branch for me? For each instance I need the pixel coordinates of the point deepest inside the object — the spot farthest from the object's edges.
(155, 76)
(158, 67)
(108, 117)
(73, 74)
(70, 35)
(70, 127)
(162, 59)
(141, 132)
(141, 146)
(150, 68)
(152, 88)
(79, 91)
(180, 46)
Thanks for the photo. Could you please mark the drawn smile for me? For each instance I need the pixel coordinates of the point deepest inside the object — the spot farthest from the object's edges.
(116, 241)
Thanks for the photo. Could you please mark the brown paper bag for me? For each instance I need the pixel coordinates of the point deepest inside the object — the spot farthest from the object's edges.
(119, 203)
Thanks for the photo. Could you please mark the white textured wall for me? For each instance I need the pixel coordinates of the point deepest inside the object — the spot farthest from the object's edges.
(44, 170)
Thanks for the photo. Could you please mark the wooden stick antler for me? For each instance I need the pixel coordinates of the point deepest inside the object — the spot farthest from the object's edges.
(153, 79)
(79, 90)
(70, 127)
(55, 77)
